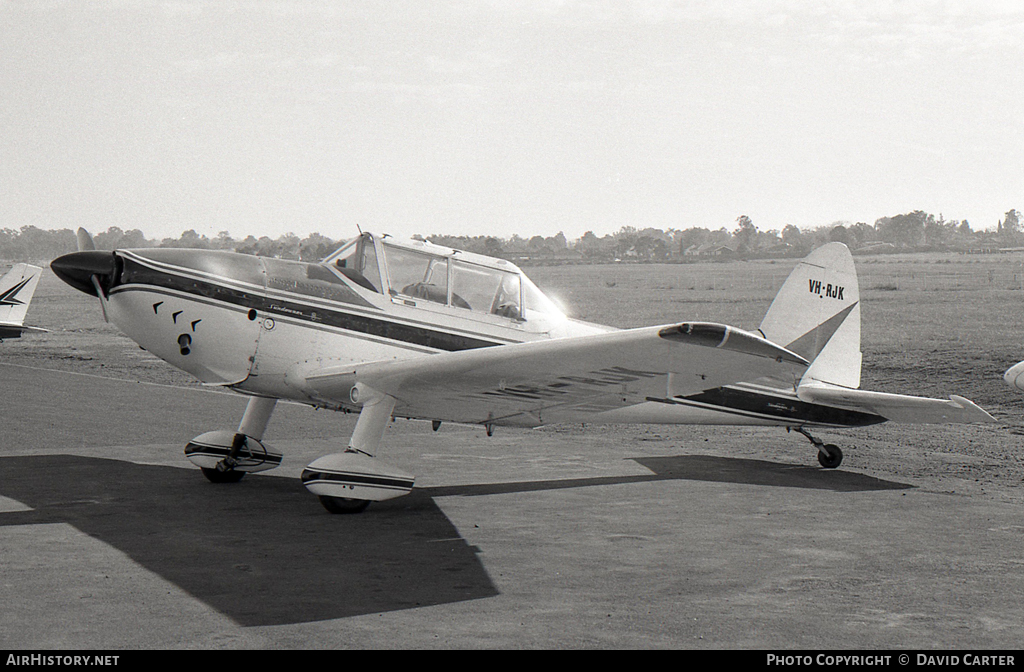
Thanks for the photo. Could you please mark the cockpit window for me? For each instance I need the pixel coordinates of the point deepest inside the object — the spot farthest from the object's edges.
(444, 278)
(418, 275)
(488, 290)
(357, 261)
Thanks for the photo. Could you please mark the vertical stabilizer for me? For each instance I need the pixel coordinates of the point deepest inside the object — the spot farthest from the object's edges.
(816, 314)
(84, 240)
(16, 289)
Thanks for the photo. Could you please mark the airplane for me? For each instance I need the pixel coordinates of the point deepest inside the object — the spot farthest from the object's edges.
(1014, 376)
(16, 290)
(408, 329)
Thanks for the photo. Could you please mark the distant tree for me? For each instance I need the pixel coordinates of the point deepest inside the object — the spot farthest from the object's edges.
(265, 247)
(839, 234)
(315, 247)
(493, 247)
(938, 232)
(1011, 224)
(746, 234)
(188, 239)
(861, 233)
(557, 242)
(224, 241)
(288, 246)
(791, 235)
(537, 245)
(903, 230)
(589, 245)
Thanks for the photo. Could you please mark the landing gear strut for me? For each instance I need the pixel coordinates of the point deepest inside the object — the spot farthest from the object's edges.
(829, 454)
(348, 481)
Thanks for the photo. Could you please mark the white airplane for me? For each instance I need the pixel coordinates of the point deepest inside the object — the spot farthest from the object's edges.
(1014, 376)
(410, 329)
(16, 290)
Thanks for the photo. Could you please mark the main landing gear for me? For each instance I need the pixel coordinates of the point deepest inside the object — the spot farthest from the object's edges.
(225, 456)
(345, 482)
(829, 454)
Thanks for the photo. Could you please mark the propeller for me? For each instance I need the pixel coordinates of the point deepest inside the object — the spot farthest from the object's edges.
(87, 270)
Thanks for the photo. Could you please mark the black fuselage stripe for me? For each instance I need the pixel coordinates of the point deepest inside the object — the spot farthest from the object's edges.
(310, 477)
(332, 317)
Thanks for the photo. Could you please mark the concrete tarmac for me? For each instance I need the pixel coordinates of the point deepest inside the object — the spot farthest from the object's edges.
(109, 538)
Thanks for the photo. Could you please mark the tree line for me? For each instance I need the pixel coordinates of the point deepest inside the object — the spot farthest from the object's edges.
(913, 231)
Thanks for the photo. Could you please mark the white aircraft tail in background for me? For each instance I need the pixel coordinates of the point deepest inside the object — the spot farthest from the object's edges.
(16, 289)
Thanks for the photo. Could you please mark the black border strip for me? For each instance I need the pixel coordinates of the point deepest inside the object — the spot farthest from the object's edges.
(311, 477)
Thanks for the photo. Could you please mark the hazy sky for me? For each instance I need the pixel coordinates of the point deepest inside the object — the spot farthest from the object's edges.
(501, 117)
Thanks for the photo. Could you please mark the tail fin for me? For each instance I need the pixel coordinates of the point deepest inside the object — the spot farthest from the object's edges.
(16, 289)
(816, 314)
(84, 240)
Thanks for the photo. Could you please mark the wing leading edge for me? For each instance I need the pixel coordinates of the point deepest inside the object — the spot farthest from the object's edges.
(518, 384)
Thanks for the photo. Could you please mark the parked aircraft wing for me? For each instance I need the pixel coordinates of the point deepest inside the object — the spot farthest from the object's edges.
(896, 407)
(516, 384)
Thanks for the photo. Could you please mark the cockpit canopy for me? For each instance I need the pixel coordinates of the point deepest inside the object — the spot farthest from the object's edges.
(414, 272)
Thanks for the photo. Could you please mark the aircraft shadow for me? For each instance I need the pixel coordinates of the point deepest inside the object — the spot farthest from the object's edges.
(264, 552)
(697, 468)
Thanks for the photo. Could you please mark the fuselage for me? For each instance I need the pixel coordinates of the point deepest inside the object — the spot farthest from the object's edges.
(260, 325)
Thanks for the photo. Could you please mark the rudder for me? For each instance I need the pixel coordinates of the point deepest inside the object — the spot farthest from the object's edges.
(816, 314)
(16, 289)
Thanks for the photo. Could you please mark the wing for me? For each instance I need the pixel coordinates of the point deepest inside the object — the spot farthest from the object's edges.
(896, 407)
(518, 384)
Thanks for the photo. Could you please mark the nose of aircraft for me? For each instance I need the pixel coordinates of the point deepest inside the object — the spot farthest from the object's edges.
(1014, 376)
(77, 269)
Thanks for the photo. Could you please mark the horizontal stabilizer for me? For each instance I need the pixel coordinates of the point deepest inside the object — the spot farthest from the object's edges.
(896, 407)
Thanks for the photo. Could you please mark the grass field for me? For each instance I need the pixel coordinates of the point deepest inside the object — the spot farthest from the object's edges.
(932, 325)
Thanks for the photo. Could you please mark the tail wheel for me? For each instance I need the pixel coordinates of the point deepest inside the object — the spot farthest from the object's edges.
(217, 476)
(830, 456)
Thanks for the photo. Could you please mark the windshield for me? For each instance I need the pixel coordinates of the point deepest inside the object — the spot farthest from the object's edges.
(536, 303)
(487, 290)
(416, 274)
(461, 280)
(357, 261)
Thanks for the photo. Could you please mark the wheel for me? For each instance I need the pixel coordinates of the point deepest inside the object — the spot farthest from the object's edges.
(215, 476)
(834, 457)
(344, 504)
